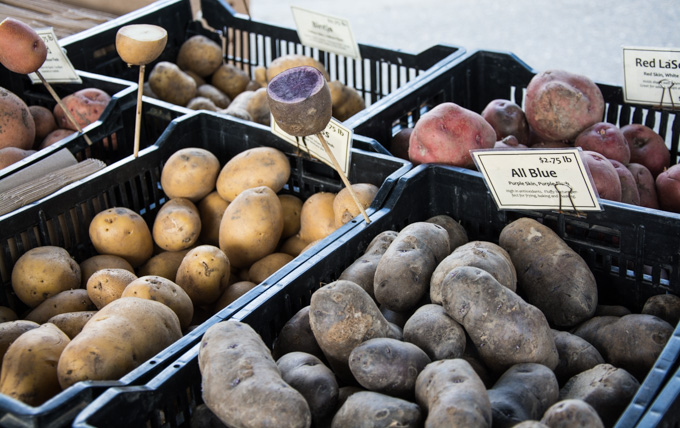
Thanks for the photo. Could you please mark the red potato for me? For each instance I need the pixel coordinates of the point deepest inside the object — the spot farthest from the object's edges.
(55, 136)
(44, 121)
(604, 138)
(560, 104)
(647, 148)
(605, 177)
(17, 128)
(399, 144)
(629, 190)
(668, 189)
(507, 118)
(86, 106)
(10, 155)
(509, 142)
(22, 50)
(447, 133)
(645, 184)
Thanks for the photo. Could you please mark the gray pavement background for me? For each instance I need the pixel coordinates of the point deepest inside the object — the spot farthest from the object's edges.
(576, 35)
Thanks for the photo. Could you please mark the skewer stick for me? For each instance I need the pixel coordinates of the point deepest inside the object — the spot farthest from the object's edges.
(343, 177)
(138, 117)
(61, 104)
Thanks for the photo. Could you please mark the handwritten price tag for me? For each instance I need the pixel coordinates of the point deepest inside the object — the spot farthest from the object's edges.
(57, 68)
(338, 138)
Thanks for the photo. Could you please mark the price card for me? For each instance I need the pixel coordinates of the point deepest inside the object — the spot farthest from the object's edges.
(652, 76)
(325, 32)
(538, 179)
(338, 138)
(57, 68)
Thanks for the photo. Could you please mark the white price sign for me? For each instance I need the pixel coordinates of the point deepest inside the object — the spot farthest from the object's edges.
(325, 32)
(652, 76)
(57, 68)
(538, 179)
(338, 138)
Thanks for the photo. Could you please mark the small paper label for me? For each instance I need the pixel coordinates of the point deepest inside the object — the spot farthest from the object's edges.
(57, 68)
(652, 76)
(537, 179)
(325, 32)
(338, 138)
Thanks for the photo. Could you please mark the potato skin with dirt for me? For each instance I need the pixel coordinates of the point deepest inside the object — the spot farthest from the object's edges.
(241, 382)
(122, 232)
(16, 122)
(435, 332)
(362, 270)
(368, 409)
(551, 275)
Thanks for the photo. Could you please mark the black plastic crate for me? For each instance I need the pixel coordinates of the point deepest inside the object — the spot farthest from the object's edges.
(249, 44)
(63, 220)
(477, 77)
(423, 192)
(112, 136)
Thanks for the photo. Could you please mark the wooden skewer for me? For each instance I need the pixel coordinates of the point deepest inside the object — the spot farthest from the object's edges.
(61, 104)
(138, 117)
(343, 177)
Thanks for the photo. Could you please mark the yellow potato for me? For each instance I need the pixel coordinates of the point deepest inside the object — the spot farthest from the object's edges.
(204, 274)
(118, 338)
(285, 62)
(191, 173)
(345, 208)
(140, 44)
(346, 100)
(42, 272)
(317, 218)
(259, 166)
(177, 225)
(11, 330)
(171, 84)
(107, 285)
(233, 292)
(65, 301)
(165, 291)
(266, 266)
(71, 323)
(163, 264)
(7, 314)
(102, 261)
(230, 79)
(31, 377)
(199, 54)
(293, 245)
(211, 209)
(219, 98)
(292, 208)
(122, 232)
(251, 226)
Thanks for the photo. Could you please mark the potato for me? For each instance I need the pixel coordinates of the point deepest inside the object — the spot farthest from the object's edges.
(604, 176)
(11, 330)
(71, 323)
(523, 392)
(664, 306)
(258, 107)
(29, 371)
(615, 310)
(550, 274)
(507, 119)
(317, 218)
(629, 188)
(482, 254)
(44, 121)
(606, 139)
(232, 293)
(291, 207)
(140, 44)
(122, 232)
(201, 103)
(604, 387)
(647, 148)
(402, 277)
(219, 98)
(22, 50)
(237, 369)
(294, 245)
(190, 172)
(55, 136)
(342, 315)
(211, 209)
(199, 54)
(118, 338)
(452, 394)
(296, 336)
(42, 272)
(64, 301)
(346, 100)
(435, 332)
(251, 226)
(457, 233)
(571, 412)
(576, 355)
(102, 261)
(7, 314)
(362, 270)
(164, 264)
(255, 167)
(230, 79)
(387, 365)
(11, 155)
(85, 105)
(177, 225)
(632, 342)
(171, 84)
(16, 122)
(267, 266)
(107, 285)
(560, 104)
(645, 184)
(505, 329)
(313, 379)
(398, 145)
(163, 290)
(344, 206)
(288, 61)
(668, 189)
(447, 133)
(204, 274)
(367, 409)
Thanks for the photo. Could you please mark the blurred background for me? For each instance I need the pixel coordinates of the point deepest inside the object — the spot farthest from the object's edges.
(580, 36)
